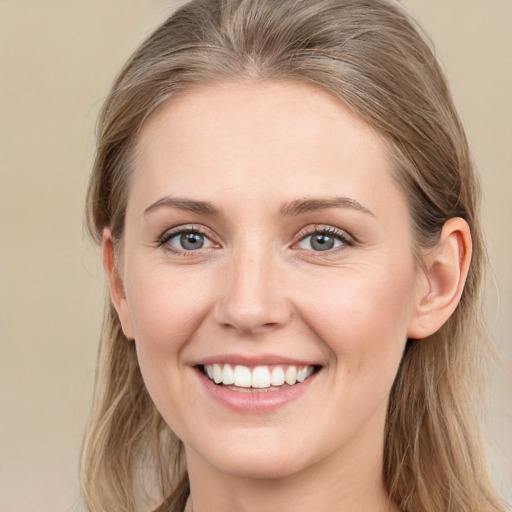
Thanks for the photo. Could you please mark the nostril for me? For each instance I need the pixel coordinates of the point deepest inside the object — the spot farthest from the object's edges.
(252, 320)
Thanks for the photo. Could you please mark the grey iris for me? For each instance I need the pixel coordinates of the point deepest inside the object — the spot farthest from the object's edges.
(191, 241)
(322, 242)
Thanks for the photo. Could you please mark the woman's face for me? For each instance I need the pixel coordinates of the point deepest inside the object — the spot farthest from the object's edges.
(264, 232)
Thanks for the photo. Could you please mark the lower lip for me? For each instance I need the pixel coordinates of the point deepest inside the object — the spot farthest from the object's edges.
(253, 401)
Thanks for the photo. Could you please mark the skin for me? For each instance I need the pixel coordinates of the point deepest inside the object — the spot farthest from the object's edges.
(258, 287)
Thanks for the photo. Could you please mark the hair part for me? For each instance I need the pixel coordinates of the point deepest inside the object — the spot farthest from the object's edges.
(373, 57)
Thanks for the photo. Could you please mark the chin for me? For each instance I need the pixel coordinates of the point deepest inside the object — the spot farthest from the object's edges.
(259, 467)
(257, 458)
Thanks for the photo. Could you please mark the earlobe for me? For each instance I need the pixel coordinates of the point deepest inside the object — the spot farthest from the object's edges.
(447, 267)
(115, 283)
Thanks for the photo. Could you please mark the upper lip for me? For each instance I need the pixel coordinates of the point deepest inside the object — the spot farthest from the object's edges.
(254, 360)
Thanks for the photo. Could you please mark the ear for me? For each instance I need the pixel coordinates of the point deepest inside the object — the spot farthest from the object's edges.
(440, 289)
(117, 294)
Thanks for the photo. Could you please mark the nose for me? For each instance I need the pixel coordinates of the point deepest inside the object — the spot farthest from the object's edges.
(253, 299)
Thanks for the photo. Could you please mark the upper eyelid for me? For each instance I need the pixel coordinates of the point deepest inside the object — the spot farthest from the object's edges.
(323, 228)
(177, 230)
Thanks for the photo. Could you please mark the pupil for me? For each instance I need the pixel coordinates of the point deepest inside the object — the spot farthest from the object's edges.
(322, 242)
(191, 241)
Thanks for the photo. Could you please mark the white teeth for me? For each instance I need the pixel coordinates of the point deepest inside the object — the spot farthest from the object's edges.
(217, 374)
(291, 375)
(242, 376)
(277, 377)
(303, 373)
(260, 377)
(228, 377)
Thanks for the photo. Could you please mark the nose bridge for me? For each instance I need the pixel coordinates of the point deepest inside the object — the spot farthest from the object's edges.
(253, 296)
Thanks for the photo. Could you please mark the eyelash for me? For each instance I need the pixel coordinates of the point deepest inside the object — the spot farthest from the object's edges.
(341, 236)
(164, 240)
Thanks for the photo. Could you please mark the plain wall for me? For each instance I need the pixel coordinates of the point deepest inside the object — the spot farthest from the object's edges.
(57, 60)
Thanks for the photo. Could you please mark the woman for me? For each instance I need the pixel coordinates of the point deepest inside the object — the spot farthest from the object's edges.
(288, 213)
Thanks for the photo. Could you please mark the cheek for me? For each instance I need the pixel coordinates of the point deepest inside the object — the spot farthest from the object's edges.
(363, 322)
(165, 309)
(363, 319)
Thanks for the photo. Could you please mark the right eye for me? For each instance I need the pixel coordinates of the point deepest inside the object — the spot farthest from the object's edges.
(186, 240)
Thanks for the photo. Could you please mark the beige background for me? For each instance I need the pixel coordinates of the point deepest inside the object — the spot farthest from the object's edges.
(57, 59)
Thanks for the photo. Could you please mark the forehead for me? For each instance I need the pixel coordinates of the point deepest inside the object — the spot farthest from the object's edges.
(274, 139)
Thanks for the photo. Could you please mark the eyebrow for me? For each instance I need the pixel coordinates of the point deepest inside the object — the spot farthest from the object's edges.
(293, 208)
(301, 206)
(188, 205)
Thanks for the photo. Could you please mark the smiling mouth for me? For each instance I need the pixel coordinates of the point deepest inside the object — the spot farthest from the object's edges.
(259, 378)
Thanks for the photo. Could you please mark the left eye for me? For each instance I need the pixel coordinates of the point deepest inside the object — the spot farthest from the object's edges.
(322, 241)
(188, 241)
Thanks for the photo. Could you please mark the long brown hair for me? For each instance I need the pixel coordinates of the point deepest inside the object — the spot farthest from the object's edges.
(373, 57)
